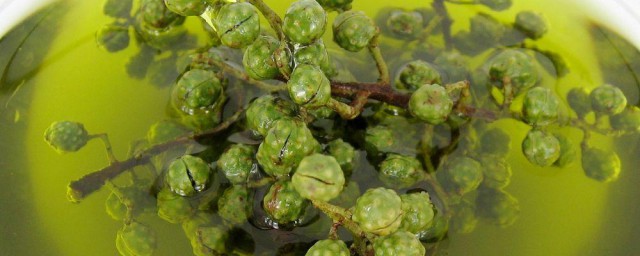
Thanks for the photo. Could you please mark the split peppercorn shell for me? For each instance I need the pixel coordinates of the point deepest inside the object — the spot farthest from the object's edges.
(237, 24)
(188, 175)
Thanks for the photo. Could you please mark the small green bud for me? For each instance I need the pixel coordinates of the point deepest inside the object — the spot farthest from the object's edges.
(398, 171)
(418, 212)
(497, 5)
(196, 90)
(415, 74)
(398, 243)
(135, 239)
(515, 66)
(117, 8)
(540, 106)
(431, 103)
(236, 163)
(608, 99)
(541, 148)
(235, 205)
(156, 14)
(264, 111)
(283, 203)
(344, 153)
(460, 174)
(329, 247)
(165, 131)
(496, 171)
(601, 165)
(286, 144)
(497, 207)
(113, 37)
(209, 240)
(309, 87)
(405, 24)
(186, 7)
(319, 177)
(304, 21)
(627, 120)
(188, 175)
(66, 136)
(173, 208)
(353, 30)
(378, 211)
(568, 151)
(531, 24)
(340, 5)
(258, 59)
(579, 101)
(495, 142)
(238, 24)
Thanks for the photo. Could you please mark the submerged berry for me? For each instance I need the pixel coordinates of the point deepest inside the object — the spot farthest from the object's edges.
(541, 148)
(531, 24)
(209, 240)
(135, 239)
(540, 106)
(627, 120)
(378, 211)
(353, 30)
(235, 205)
(497, 5)
(608, 99)
(173, 208)
(601, 165)
(579, 101)
(515, 67)
(400, 171)
(415, 74)
(417, 211)
(497, 207)
(460, 175)
(113, 37)
(328, 247)
(405, 24)
(496, 171)
(66, 136)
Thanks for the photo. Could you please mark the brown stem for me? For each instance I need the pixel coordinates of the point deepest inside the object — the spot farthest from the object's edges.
(377, 91)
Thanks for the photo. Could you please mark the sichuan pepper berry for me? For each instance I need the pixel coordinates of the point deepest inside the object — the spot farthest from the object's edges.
(541, 148)
(66, 136)
(188, 175)
(304, 22)
(540, 106)
(378, 211)
(398, 243)
(431, 103)
(309, 87)
(319, 177)
(283, 203)
(353, 30)
(238, 24)
(284, 146)
(608, 99)
(328, 247)
(418, 212)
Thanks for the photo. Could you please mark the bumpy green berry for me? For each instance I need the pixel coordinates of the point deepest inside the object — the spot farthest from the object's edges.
(237, 162)
(485, 30)
(315, 54)
(318, 177)
(431, 103)
(453, 66)
(461, 175)
(531, 24)
(235, 205)
(579, 101)
(515, 66)
(156, 14)
(328, 247)
(495, 142)
(418, 212)
(258, 59)
(238, 24)
(398, 243)
(497, 5)
(601, 165)
(496, 171)
(66, 136)
(285, 145)
(283, 203)
(113, 37)
(541, 148)
(627, 120)
(196, 90)
(117, 8)
(188, 175)
(405, 24)
(497, 207)
(353, 30)
(335, 4)
(379, 139)
(173, 208)
(186, 7)
(344, 154)
(400, 171)
(568, 151)
(266, 110)
(209, 240)
(304, 22)
(416, 74)
(540, 106)
(608, 99)
(135, 239)
(308, 86)
(437, 230)
(378, 211)
(164, 131)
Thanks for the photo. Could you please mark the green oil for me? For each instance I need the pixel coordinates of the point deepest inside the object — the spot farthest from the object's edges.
(562, 211)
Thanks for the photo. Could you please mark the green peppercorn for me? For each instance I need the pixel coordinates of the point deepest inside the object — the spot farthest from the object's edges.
(516, 67)
(340, 5)
(160, 38)
(431, 103)
(344, 154)
(496, 171)
(113, 37)
(235, 205)
(117, 8)
(398, 171)
(495, 142)
(328, 247)
(497, 207)
(309, 87)
(304, 21)
(264, 111)
(379, 139)
(237, 162)
(568, 151)
(460, 175)
(156, 14)
(627, 120)
(196, 90)
(209, 240)
(608, 99)
(497, 5)
(398, 243)
(540, 106)
(164, 131)
(601, 165)
(579, 101)
(135, 239)
(186, 7)
(66, 136)
(417, 212)
(283, 203)
(378, 211)
(287, 142)
(464, 219)
(415, 74)
(405, 24)
(188, 175)
(319, 177)
(531, 24)
(258, 59)
(315, 54)
(353, 30)
(237, 24)
(173, 208)
(541, 148)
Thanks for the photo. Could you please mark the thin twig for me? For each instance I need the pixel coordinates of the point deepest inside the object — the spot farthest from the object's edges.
(383, 70)
(272, 17)
(441, 10)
